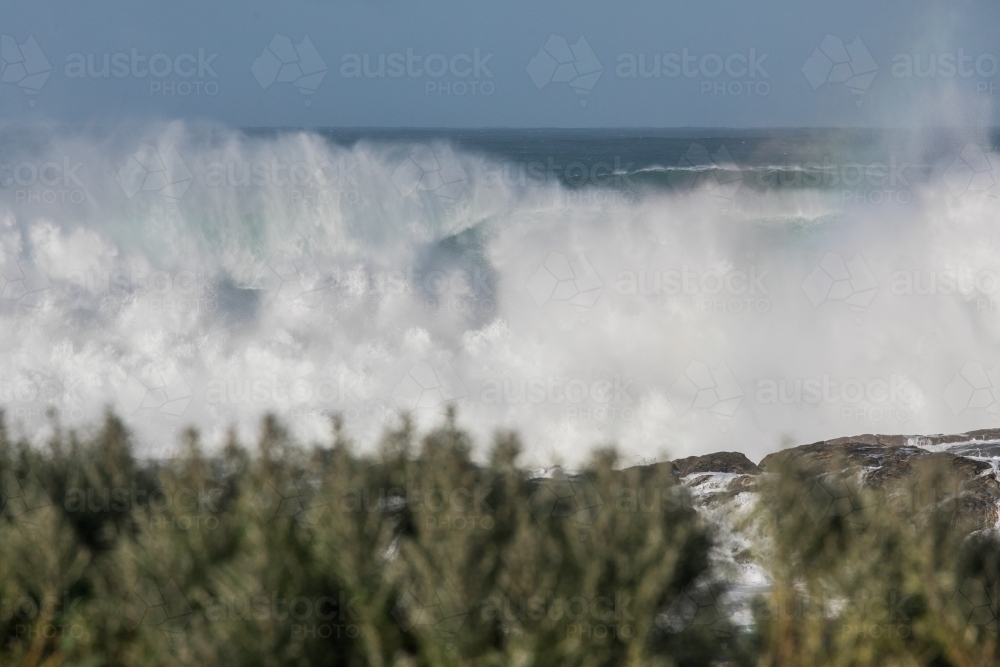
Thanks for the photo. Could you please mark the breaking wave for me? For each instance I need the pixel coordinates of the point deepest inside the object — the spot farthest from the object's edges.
(197, 275)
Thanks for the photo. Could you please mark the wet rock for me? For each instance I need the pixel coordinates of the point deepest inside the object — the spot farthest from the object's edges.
(983, 436)
(894, 465)
(742, 483)
(730, 462)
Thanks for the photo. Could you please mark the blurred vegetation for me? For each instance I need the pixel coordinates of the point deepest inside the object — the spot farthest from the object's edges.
(412, 554)
(893, 576)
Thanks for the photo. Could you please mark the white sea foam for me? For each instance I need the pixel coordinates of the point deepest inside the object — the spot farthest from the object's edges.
(172, 284)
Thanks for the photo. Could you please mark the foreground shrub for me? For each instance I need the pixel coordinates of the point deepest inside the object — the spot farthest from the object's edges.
(410, 555)
(893, 576)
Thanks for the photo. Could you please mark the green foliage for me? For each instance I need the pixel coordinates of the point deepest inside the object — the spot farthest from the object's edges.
(865, 577)
(408, 554)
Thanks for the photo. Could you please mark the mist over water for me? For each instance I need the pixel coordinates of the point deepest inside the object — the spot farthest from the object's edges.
(674, 295)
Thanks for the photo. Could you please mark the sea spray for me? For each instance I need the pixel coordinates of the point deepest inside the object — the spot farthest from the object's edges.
(188, 274)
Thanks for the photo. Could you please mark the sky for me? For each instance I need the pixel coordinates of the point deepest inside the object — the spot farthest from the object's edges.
(520, 63)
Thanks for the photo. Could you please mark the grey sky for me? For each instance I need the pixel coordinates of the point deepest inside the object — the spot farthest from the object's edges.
(231, 36)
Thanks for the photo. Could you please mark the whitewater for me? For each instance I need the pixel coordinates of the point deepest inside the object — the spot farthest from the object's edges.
(731, 293)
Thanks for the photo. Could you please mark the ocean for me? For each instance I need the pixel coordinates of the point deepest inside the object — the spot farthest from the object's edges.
(672, 292)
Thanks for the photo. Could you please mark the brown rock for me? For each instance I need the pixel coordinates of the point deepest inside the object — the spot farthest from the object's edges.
(731, 462)
(891, 463)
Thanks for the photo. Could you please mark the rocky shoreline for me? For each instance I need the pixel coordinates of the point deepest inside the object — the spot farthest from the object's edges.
(880, 463)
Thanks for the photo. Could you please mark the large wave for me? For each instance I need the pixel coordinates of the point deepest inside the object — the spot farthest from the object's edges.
(198, 275)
